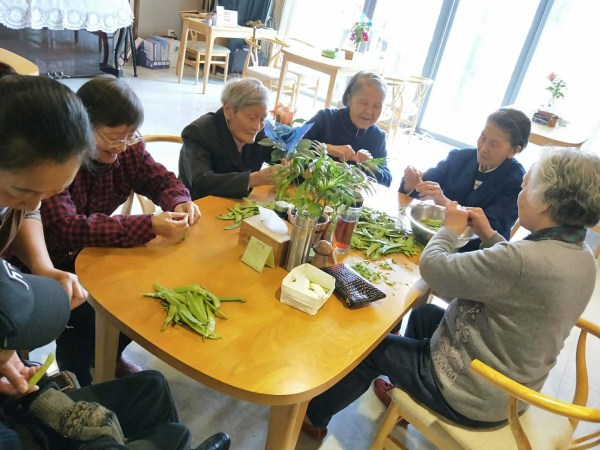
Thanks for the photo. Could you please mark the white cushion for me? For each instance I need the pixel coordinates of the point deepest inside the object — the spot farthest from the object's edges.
(543, 429)
(200, 46)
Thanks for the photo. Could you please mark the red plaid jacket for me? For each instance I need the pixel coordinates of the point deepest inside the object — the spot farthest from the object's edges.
(81, 215)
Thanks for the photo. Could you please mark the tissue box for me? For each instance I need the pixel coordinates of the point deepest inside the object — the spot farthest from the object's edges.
(253, 226)
(299, 299)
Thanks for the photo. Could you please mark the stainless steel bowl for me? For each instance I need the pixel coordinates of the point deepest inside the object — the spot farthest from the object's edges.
(429, 211)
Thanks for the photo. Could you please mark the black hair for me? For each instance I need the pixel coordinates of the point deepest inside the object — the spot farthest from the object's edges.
(111, 102)
(6, 69)
(41, 120)
(515, 123)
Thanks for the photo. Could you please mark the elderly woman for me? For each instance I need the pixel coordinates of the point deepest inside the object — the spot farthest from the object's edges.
(514, 302)
(487, 176)
(350, 133)
(220, 154)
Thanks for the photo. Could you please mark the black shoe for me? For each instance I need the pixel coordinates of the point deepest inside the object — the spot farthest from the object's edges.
(219, 441)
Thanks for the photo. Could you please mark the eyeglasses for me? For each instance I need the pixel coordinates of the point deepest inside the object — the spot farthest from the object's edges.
(131, 139)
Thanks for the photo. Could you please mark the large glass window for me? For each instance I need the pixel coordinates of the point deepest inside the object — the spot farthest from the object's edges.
(402, 31)
(567, 46)
(476, 66)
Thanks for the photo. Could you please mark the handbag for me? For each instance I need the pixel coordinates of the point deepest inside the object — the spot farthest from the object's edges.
(351, 288)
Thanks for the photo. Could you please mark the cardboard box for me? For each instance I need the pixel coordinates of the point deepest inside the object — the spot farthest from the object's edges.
(253, 226)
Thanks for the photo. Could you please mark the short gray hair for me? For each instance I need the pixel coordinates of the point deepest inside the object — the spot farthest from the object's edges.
(568, 181)
(359, 81)
(242, 92)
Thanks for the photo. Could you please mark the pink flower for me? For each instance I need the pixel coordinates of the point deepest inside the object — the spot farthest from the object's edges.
(552, 76)
(283, 114)
(365, 36)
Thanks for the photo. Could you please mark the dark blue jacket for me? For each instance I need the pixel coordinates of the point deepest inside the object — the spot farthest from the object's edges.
(497, 195)
(333, 126)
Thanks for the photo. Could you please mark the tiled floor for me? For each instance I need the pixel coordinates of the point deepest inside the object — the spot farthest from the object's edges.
(170, 106)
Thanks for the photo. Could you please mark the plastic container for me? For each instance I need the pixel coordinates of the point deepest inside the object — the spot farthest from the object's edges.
(299, 299)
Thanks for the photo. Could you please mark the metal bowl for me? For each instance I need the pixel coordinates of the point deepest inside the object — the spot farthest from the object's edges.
(429, 211)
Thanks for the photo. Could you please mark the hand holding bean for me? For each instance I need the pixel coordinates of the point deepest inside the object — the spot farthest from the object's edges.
(192, 211)
(170, 224)
(456, 217)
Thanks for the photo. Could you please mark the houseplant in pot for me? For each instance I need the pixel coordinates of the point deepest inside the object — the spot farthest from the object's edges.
(309, 178)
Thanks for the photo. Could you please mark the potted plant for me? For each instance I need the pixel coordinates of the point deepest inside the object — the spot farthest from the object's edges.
(309, 178)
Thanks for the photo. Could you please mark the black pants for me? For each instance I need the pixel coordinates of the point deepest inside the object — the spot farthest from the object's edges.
(143, 405)
(406, 360)
(75, 348)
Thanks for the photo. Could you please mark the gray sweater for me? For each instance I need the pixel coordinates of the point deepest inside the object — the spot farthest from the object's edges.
(514, 305)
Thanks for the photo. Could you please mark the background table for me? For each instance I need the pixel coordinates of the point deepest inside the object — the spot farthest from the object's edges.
(561, 136)
(312, 59)
(270, 353)
(211, 34)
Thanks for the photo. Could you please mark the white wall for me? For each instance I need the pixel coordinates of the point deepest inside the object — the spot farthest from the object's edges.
(159, 16)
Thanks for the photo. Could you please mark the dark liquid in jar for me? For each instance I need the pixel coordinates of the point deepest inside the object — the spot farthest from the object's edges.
(343, 233)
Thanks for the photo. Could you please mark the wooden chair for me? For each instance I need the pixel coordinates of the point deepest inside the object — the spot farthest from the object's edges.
(195, 51)
(549, 423)
(405, 103)
(307, 78)
(147, 206)
(270, 73)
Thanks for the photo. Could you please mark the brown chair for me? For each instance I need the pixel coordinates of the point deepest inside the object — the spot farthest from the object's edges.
(269, 73)
(549, 423)
(146, 205)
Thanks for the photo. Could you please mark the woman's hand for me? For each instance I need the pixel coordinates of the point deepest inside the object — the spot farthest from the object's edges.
(342, 152)
(457, 217)
(430, 190)
(480, 223)
(14, 375)
(170, 224)
(361, 156)
(77, 294)
(263, 176)
(412, 177)
(192, 211)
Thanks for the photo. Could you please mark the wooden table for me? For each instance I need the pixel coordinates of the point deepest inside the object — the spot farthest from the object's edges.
(270, 353)
(211, 34)
(312, 59)
(20, 64)
(561, 136)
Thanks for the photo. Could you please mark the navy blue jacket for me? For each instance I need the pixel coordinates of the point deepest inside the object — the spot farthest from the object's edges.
(497, 195)
(333, 126)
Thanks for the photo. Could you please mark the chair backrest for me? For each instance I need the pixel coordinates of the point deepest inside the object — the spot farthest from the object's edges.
(146, 205)
(405, 102)
(576, 410)
(270, 48)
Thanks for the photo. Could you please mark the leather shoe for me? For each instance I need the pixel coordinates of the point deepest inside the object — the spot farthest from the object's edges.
(318, 434)
(382, 390)
(126, 367)
(219, 441)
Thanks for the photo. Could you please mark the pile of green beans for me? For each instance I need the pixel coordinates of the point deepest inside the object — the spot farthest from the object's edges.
(194, 306)
(434, 224)
(243, 210)
(376, 234)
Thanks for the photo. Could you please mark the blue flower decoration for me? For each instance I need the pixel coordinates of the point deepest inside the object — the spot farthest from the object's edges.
(286, 138)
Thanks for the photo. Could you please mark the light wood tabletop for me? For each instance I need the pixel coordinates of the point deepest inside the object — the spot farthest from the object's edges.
(311, 58)
(21, 65)
(211, 34)
(270, 353)
(561, 136)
